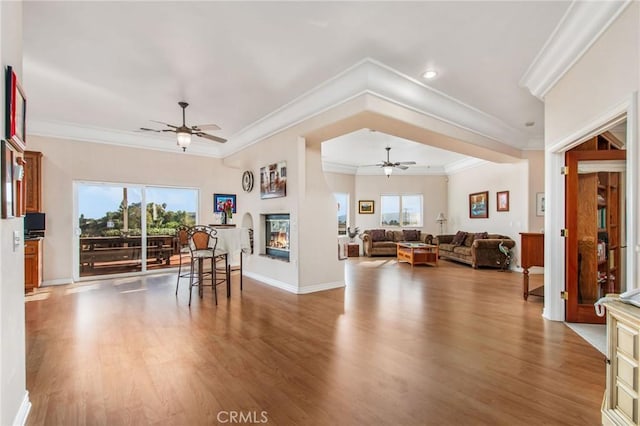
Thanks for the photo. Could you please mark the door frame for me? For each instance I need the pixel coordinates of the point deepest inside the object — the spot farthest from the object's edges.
(554, 221)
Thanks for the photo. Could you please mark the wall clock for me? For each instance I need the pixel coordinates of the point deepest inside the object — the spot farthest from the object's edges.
(247, 181)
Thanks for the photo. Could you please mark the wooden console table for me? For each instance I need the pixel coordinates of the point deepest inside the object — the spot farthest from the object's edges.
(532, 254)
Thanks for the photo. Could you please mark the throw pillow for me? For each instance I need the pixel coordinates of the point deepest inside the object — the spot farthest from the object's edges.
(411, 235)
(378, 235)
(468, 240)
(459, 238)
(481, 235)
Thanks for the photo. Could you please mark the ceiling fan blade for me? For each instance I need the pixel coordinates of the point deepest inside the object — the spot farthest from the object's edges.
(166, 124)
(372, 165)
(401, 167)
(406, 162)
(144, 129)
(210, 137)
(201, 127)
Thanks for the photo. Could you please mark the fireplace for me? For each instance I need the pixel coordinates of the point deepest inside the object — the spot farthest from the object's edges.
(276, 232)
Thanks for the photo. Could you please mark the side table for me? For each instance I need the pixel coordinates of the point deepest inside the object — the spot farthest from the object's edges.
(353, 250)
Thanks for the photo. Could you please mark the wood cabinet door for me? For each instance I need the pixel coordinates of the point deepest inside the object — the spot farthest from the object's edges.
(582, 244)
(33, 181)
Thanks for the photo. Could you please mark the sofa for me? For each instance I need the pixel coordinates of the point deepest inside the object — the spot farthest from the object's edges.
(381, 242)
(476, 249)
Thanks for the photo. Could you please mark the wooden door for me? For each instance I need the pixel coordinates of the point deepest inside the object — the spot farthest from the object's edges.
(584, 244)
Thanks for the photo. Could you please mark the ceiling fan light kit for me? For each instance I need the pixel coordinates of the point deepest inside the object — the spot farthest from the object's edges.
(388, 166)
(184, 132)
(184, 140)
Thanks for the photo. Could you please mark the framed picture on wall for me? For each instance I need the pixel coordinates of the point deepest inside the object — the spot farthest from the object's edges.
(540, 204)
(16, 111)
(219, 201)
(502, 201)
(365, 206)
(6, 179)
(273, 180)
(479, 205)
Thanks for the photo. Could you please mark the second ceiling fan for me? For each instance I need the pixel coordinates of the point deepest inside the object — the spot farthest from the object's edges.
(388, 165)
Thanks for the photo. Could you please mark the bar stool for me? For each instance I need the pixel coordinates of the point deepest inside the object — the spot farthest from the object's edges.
(182, 235)
(203, 246)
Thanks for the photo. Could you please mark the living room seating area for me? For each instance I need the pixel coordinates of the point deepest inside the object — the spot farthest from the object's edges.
(479, 249)
(382, 242)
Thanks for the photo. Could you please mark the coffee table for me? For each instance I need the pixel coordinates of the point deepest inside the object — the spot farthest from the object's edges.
(417, 253)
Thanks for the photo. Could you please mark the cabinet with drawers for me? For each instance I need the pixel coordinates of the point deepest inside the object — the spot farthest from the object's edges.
(620, 403)
(32, 264)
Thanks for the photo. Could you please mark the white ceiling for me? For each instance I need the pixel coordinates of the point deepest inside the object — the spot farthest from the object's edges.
(114, 65)
(357, 151)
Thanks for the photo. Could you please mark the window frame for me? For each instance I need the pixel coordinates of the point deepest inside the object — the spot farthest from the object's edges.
(400, 203)
(347, 203)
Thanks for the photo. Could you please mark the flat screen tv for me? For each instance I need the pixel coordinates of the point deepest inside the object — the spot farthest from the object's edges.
(34, 222)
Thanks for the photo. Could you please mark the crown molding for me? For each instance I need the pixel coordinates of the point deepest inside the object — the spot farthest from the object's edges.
(447, 169)
(462, 165)
(411, 171)
(367, 77)
(536, 144)
(374, 78)
(78, 132)
(579, 28)
(344, 169)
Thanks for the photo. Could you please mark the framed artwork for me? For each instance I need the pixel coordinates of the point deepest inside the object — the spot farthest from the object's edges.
(502, 201)
(16, 111)
(6, 179)
(366, 206)
(479, 205)
(540, 204)
(220, 199)
(273, 180)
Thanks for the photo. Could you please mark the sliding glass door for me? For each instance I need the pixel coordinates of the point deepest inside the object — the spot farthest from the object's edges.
(114, 237)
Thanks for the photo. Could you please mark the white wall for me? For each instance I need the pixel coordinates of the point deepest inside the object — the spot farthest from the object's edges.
(64, 161)
(536, 185)
(604, 78)
(493, 178)
(432, 188)
(314, 262)
(14, 401)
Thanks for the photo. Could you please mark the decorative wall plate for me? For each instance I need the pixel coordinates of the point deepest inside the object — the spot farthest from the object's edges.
(247, 181)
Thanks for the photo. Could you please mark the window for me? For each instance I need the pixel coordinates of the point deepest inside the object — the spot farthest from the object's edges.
(343, 212)
(401, 210)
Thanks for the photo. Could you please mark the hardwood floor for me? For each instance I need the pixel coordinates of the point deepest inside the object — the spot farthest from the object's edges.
(445, 345)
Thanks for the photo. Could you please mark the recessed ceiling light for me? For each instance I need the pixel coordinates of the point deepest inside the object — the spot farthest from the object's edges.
(530, 123)
(429, 74)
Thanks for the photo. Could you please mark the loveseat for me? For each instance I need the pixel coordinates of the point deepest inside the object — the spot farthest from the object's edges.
(381, 242)
(475, 249)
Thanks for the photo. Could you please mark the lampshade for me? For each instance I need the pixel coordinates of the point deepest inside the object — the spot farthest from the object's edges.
(441, 218)
(184, 139)
(388, 170)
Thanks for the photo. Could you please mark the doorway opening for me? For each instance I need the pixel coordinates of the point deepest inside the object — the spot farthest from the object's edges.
(595, 222)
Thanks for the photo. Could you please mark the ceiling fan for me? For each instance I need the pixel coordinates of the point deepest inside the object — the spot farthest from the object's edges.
(184, 132)
(388, 166)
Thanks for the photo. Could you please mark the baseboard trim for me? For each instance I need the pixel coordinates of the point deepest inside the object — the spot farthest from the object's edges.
(272, 282)
(291, 288)
(59, 281)
(321, 287)
(23, 411)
